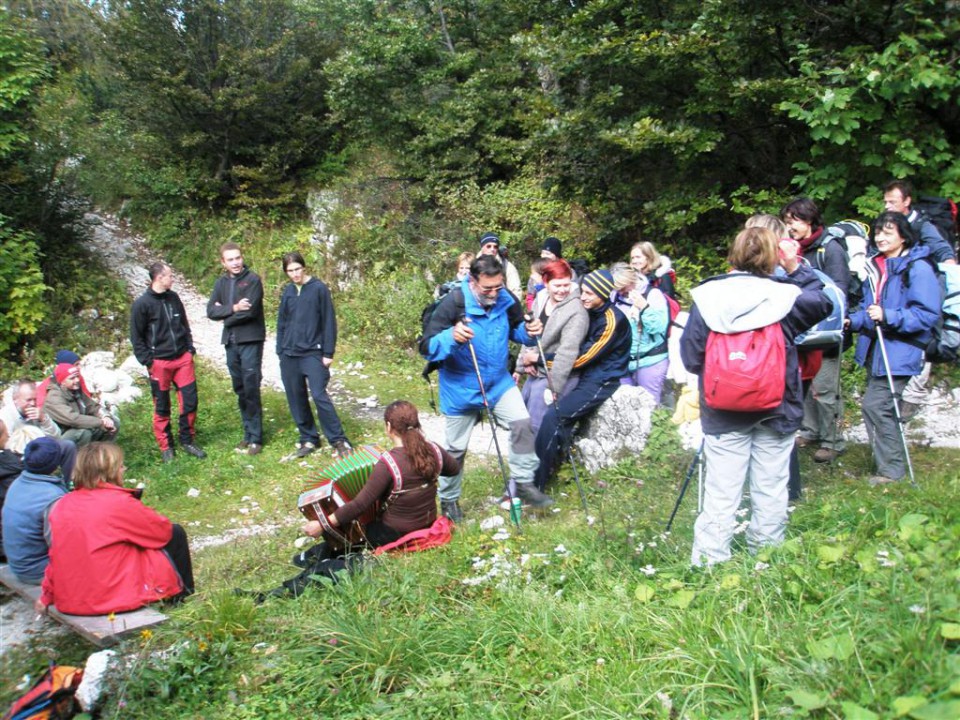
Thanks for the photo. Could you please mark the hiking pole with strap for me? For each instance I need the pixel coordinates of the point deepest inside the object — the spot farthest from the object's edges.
(493, 428)
(871, 277)
(556, 408)
(686, 484)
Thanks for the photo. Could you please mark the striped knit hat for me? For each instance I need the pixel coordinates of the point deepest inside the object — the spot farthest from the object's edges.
(600, 282)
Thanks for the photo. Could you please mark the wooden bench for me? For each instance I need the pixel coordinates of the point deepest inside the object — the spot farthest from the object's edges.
(101, 630)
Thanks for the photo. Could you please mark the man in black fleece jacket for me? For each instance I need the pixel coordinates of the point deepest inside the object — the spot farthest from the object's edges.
(162, 341)
(237, 300)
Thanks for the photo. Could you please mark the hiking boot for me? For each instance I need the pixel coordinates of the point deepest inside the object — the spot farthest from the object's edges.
(342, 448)
(802, 442)
(531, 496)
(881, 480)
(451, 509)
(168, 455)
(825, 455)
(908, 410)
(254, 449)
(304, 449)
(242, 446)
(193, 449)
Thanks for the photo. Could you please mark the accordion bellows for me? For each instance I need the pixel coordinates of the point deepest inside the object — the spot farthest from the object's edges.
(338, 484)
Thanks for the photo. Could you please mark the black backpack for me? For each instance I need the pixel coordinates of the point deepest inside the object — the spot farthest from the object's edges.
(942, 212)
(427, 314)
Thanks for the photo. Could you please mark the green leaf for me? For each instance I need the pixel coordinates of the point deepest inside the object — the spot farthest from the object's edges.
(807, 700)
(830, 553)
(949, 710)
(730, 581)
(836, 647)
(644, 592)
(950, 631)
(682, 599)
(905, 704)
(955, 687)
(852, 711)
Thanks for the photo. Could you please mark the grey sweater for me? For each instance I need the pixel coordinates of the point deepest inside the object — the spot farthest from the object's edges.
(563, 332)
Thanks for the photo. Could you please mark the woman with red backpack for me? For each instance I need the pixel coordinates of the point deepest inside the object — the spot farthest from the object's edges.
(750, 396)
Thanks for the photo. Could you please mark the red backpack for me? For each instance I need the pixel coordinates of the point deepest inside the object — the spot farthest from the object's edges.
(745, 371)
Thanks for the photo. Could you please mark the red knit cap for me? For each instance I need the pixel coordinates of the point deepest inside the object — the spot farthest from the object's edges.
(65, 370)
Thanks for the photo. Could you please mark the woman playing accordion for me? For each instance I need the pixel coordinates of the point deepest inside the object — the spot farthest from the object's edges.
(402, 488)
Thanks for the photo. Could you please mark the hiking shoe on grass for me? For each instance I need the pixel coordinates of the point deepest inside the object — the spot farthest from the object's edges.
(802, 442)
(451, 509)
(304, 449)
(881, 480)
(531, 496)
(242, 446)
(168, 455)
(254, 449)
(825, 455)
(193, 449)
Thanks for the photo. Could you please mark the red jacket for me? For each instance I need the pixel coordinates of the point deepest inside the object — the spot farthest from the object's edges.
(105, 553)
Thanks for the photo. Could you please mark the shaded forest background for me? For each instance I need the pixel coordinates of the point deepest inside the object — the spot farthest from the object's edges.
(425, 122)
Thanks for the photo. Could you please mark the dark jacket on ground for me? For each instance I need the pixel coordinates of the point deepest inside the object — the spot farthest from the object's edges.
(159, 328)
(414, 508)
(247, 326)
(306, 323)
(748, 302)
(605, 352)
(910, 299)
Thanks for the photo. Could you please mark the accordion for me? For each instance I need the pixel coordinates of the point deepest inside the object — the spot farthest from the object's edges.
(338, 484)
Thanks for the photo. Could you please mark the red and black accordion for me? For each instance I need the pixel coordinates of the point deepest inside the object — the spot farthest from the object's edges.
(337, 485)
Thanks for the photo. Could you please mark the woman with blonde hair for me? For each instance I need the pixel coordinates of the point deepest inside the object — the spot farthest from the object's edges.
(108, 551)
(749, 445)
(645, 259)
(646, 309)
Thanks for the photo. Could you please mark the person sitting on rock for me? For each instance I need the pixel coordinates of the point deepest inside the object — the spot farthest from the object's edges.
(62, 356)
(27, 506)
(108, 551)
(24, 414)
(81, 418)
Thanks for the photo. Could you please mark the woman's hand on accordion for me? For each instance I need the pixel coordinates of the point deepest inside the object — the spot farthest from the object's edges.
(313, 529)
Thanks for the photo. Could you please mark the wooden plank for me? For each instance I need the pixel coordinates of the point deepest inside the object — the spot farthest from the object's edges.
(101, 630)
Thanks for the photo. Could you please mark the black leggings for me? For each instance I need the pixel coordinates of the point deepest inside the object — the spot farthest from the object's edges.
(178, 550)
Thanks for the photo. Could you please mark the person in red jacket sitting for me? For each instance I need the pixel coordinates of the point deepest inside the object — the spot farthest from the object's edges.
(108, 551)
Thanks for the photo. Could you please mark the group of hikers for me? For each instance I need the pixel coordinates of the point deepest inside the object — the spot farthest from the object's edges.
(763, 392)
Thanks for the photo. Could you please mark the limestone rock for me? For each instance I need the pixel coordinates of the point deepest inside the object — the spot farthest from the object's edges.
(618, 429)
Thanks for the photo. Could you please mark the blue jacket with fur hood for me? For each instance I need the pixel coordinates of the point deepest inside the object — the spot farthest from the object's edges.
(738, 302)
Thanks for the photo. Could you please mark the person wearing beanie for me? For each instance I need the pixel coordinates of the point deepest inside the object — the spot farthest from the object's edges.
(63, 356)
(469, 336)
(163, 343)
(603, 359)
(552, 249)
(28, 503)
(82, 419)
(490, 245)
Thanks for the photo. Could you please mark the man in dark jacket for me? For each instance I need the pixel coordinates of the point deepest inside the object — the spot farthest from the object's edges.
(237, 300)
(11, 465)
(162, 341)
(604, 357)
(306, 343)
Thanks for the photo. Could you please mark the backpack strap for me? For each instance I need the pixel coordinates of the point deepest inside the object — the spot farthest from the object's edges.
(662, 347)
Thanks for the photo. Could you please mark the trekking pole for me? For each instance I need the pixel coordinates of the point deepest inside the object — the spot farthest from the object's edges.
(556, 407)
(893, 393)
(686, 483)
(493, 429)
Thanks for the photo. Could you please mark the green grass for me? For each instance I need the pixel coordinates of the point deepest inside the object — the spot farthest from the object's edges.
(849, 617)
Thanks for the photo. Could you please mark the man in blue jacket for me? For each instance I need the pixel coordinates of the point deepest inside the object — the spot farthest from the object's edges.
(481, 314)
(28, 503)
(603, 360)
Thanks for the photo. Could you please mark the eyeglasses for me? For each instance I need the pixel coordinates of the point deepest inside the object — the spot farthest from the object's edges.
(490, 289)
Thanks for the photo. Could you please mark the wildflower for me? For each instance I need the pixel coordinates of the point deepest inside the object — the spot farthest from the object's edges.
(145, 635)
(201, 646)
(665, 701)
(560, 549)
(761, 566)
(601, 661)
(648, 570)
(111, 617)
(917, 609)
